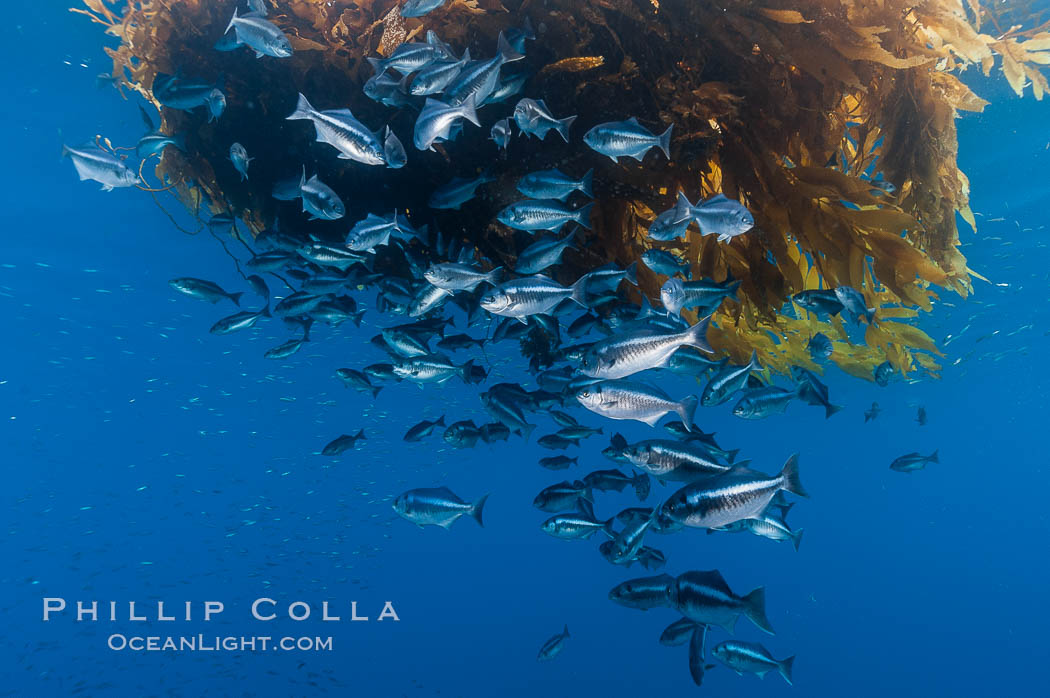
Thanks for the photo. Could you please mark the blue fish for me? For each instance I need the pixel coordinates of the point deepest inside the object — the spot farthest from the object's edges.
(554, 184)
(820, 348)
(457, 192)
(437, 76)
(543, 214)
(480, 79)
(501, 133)
(617, 139)
(534, 118)
(723, 217)
(418, 8)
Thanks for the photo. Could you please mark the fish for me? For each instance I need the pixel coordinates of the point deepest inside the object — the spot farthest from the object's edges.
(93, 163)
(558, 462)
(337, 256)
(820, 348)
(678, 632)
(765, 401)
(562, 496)
(697, 667)
(373, 231)
(298, 303)
(663, 262)
(624, 399)
(411, 57)
(494, 431)
(872, 412)
(507, 87)
(432, 368)
(534, 118)
(751, 658)
(542, 254)
(320, 200)
(286, 189)
(853, 302)
(728, 381)
(186, 94)
(259, 286)
(239, 321)
(575, 526)
(608, 277)
(462, 434)
(204, 290)
(423, 429)
(705, 597)
(393, 151)
(704, 294)
(672, 223)
(673, 461)
(543, 214)
(418, 8)
(239, 158)
(259, 34)
(286, 349)
(882, 373)
(528, 296)
(819, 301)
(740, 493)
(621, 356)
(270, 261)
(552, 647)
(343, 443)
(339, 129)
(353, 378)
(644, 593)
(154, 143)
(436, 76)
(457, 191)
(722, 217)
(813, 391)
(556, 442)
(436, 506)
(767, 525)
(436, 120)
(690, 361)
(920, 417)
(627, 543)
(554, 184)
(913, 461)
(501, 133)
(479, 80)
(516, 36)
(453, 276)
(616, 139)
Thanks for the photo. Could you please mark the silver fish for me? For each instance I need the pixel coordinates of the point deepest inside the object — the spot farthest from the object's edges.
(727, 381)
(554, 184)
(320, 200)
(545, 252)
(622, 356)
(239, 158)
(751, 658)
(740, 493)
(437, 118)
(436, 506)
(452, 276)
(723, 217)
(670, 460)
(552, 647)
(94, 163)
(533, 295)
(204, 290)
(628, 138)
(261, 35)
(624, 399)
(706, 598)
(339, 129)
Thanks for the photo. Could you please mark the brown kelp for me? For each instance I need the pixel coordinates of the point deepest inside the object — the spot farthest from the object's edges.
(792, 108)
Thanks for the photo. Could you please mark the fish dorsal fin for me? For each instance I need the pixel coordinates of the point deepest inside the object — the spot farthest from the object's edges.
(713, 579)
(633, 120)
(339, 112)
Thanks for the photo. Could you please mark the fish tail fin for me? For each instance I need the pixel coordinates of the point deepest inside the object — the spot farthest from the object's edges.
(784, 667)
(583, 215)
(563, 126)
(232, 21)
(579, 291)
(755, 609)
(360, 435)
(506, 51)
(632, 273)
(236, 298)
(732, 288)
(642, 486)
(494, 276)
(796, 539)
(66, 152)
(302, 110)
(832, 409)
(789, 475)
(732, 454)
(377, 65)
(356, 317)
(466, 369)
(475, 511)
(934, 457)
(586, 183)
(686, 409)
(440, 421)
(468, 110)
(566, 634)
(375, 390)
(696, 336)
(665, 141)
(265, 312)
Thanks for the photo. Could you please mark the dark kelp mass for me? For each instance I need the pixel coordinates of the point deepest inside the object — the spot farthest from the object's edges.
(795, 112)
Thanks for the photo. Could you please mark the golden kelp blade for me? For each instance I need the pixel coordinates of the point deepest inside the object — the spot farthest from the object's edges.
(791, 108)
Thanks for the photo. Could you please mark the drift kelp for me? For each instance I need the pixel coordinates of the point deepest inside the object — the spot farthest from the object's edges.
(806, 115)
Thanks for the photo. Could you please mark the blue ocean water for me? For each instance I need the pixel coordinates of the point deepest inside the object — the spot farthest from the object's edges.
(146, 459)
